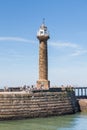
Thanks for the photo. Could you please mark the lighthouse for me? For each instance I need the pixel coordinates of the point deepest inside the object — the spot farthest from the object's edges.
(43, 36)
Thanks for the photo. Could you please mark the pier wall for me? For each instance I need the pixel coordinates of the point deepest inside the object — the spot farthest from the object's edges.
(82, 105)
(42, 104)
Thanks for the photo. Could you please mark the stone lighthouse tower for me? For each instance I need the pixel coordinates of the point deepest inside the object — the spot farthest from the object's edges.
(43, 36)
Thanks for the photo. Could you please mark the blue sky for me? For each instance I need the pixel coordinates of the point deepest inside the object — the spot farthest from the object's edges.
(67, 48)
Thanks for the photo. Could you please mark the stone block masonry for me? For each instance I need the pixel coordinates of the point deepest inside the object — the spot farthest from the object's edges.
(40, 104)
(82, 105)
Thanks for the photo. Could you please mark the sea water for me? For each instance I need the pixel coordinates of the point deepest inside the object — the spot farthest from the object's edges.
(67, 122)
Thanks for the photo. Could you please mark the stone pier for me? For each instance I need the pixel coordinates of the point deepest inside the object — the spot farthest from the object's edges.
(83, 105)
(18, 105)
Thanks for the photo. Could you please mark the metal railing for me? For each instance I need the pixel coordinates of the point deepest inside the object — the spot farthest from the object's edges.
(80, 92)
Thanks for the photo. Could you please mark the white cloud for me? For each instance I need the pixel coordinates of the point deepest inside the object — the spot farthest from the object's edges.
(63, 44)
(75, 47)
(18, 39)
(54, 44)
(79, 52)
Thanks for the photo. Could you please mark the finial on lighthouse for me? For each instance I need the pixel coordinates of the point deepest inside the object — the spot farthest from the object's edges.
(43, 21)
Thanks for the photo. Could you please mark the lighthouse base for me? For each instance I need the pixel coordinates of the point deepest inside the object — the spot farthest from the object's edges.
(43, 84)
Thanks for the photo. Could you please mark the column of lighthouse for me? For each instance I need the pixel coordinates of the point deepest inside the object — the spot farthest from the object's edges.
(43, 36)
